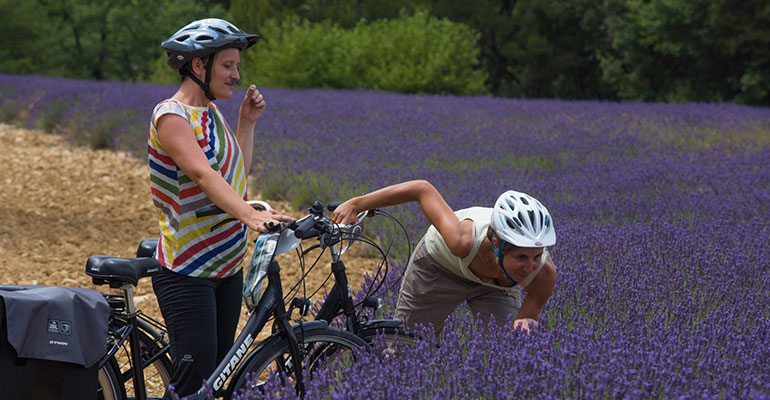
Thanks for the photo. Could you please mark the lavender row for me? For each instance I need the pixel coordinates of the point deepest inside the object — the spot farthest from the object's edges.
(641, 310)
(662, 215)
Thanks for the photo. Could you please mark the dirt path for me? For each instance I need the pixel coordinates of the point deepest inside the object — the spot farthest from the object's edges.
(61, 204)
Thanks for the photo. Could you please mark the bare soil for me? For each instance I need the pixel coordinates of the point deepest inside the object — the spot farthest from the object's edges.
(60, 204)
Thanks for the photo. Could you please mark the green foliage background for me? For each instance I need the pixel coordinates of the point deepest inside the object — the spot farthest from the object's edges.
(643, 50)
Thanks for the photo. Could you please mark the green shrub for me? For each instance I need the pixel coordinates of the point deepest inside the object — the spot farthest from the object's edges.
(411, 54)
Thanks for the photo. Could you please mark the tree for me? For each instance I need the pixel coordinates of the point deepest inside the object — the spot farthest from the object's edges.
(93, 39)
(536, 48)
(23, 29)
(657, 51)
(738, 32)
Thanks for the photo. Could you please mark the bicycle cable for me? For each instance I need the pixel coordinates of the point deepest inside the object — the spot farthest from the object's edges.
(301, 257)
(379, 277)
(385, 256)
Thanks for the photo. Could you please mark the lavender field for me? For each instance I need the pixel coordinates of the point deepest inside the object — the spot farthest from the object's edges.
(662, 214)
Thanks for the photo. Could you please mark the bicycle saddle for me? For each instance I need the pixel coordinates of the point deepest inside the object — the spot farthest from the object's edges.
(147, 247)
(117, 271)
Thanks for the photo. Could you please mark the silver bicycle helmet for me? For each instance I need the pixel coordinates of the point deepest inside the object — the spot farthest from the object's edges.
(521, 220)
(202, 38)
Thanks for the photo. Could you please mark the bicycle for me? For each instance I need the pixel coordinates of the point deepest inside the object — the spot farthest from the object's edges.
(129, 331)
(339, 301)
(312, 342)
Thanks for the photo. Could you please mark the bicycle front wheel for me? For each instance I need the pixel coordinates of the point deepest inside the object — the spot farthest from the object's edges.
(322, 348)
(390, 335)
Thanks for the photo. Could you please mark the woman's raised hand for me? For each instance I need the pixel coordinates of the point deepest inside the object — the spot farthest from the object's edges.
(253, 105)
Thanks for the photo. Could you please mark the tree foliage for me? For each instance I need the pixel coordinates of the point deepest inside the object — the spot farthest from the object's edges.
(441, 56)
(643, 50)
(92, 39)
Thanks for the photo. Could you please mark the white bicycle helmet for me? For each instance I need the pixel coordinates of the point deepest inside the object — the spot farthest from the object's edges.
(521, 220)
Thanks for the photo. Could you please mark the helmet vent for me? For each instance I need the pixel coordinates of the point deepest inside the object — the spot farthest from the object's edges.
(524, 200)
(531, 216)
(220, 30)
(203, 38)
(182, 38)
(193, 27)
(233, 29)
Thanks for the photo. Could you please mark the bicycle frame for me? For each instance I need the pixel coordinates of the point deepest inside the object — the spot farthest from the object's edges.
(339, 301)
(339, 298)
(131, 333)
(125, 332)
(271, 303)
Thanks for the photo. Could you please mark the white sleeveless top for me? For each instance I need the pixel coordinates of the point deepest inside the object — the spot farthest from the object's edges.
(438, 250)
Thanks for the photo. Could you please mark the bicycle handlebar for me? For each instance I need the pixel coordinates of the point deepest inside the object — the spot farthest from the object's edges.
(315, 224)
(312, 225)
(305, 229)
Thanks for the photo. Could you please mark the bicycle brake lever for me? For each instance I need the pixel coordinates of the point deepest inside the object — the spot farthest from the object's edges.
(302, 304)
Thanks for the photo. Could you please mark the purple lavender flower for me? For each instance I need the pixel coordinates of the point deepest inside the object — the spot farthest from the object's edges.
(662, 215)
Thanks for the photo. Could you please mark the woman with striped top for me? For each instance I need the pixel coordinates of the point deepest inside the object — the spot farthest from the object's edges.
(196, 159)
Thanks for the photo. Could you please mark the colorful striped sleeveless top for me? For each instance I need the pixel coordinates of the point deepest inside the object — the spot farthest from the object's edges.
(187, 245)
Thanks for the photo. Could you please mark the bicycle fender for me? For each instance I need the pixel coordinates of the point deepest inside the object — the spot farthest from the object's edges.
(382, 323)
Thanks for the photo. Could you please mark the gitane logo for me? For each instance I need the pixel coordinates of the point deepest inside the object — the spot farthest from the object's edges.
(538, 243)
(233, 362)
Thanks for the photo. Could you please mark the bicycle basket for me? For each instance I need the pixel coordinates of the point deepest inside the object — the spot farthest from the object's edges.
(255, 276)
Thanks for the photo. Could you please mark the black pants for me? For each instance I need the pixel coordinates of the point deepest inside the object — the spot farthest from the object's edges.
(201, 316)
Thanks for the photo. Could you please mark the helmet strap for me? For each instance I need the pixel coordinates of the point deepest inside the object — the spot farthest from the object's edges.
(204, 85)
(499, 253)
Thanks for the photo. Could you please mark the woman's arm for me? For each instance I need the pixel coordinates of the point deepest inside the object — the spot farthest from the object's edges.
(538, 293)
(178, 140)
(457, 235)
(252, 107)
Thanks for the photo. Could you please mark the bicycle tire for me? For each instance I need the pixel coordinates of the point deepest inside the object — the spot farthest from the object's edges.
(157, 375)
(273, 357)
(388, 334)
(110, 386)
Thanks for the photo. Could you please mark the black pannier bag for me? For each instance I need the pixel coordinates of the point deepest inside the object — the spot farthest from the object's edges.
(51, 342)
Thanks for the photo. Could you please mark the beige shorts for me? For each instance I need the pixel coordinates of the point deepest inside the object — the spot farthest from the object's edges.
(429, 293)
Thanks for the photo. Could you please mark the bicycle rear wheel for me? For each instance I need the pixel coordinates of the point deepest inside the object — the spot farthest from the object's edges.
(323, 348)
(156, 361)
(110, 385)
